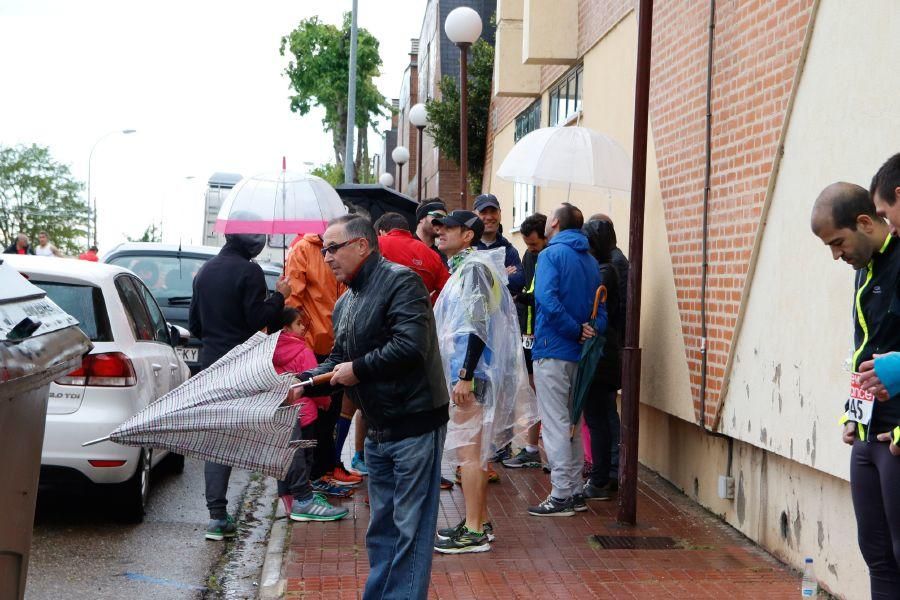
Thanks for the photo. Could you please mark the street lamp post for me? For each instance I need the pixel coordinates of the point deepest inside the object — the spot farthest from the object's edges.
(463, 27)
(90, 158)
(418, 116)
(401, 157)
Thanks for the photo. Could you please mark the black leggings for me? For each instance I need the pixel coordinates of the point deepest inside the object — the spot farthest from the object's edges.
(600, 401)
(875, 486)
(323, 460)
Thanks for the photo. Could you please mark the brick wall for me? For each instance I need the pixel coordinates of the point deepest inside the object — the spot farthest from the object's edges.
(756, 55)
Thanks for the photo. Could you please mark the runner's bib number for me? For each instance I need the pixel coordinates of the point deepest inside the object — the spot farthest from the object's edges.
(860, 402)
(528, 342)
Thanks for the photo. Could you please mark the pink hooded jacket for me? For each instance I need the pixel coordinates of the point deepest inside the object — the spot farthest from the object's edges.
(292, 355)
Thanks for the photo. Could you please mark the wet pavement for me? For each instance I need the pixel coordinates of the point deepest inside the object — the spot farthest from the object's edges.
(80, 549)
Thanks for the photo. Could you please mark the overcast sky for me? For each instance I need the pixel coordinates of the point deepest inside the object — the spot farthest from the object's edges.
(200, 81)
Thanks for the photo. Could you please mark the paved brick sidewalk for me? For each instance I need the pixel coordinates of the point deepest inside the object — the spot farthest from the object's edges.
(538, 558)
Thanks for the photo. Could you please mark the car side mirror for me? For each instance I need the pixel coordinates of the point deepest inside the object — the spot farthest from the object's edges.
(178, 336)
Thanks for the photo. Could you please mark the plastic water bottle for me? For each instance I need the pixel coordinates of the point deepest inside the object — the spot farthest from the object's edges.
(810, 587)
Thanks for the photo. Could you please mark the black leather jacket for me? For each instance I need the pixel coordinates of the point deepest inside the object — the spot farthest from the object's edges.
(384, 325)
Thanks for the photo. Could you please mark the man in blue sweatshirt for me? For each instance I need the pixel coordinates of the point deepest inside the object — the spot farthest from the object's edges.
(566, 280)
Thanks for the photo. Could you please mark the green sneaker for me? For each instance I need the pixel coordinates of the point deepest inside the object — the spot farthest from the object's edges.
(316, 509)
(449, 532)
(523, 459)
(463, 542)
(219, 529)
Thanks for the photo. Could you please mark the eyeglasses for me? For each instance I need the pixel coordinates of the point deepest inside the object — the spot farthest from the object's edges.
(335, 247)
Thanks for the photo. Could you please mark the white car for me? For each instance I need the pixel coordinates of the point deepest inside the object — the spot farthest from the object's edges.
(133, 363)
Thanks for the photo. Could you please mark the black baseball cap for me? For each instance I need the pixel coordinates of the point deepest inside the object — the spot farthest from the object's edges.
(462, 218)
(485, 200)
(432, 205)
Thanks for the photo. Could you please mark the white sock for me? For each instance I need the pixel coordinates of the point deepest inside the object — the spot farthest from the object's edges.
(531, 449)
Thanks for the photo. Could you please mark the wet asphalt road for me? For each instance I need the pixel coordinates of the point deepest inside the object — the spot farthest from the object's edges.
(80, 550)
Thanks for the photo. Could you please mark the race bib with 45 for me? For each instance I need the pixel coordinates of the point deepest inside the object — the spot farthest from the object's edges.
(860, 403)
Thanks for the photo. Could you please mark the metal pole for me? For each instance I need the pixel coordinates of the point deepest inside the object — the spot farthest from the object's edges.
(351, 101)
(419, 167)
(463, 124)
(631, 367)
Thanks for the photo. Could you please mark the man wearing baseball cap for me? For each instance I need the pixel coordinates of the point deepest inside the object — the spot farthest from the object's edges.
(488, 209)
(476, 320)
(428, 210)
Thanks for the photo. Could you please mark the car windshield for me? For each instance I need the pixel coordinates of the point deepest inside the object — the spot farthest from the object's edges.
(170, 278)
(85, 303)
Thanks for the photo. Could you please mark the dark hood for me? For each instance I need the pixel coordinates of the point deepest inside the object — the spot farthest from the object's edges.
(247, 245)
(601, 238)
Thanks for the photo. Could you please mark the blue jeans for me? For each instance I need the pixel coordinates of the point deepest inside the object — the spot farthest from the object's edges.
(404, 488)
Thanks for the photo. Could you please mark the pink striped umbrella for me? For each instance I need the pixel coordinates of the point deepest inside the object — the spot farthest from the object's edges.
(282, 202)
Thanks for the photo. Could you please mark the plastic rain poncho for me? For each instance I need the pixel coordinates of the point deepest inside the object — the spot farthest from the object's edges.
(475, 301)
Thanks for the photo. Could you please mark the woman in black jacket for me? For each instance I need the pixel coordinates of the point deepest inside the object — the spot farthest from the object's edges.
(601, 400)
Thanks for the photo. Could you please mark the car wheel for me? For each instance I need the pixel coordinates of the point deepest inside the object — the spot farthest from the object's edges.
(175, 463)
(135, 491)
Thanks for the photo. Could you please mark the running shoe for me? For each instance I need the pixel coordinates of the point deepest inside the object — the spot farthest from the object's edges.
(219, 529)
(327, 486)
(316, 508)
(358, 465)
(463, 542)
(341, 477)
(449, 532)
(553, 507)
(523, 459)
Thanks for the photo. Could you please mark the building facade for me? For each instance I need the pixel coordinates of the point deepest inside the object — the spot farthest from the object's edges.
(432, 56)
(792, 109)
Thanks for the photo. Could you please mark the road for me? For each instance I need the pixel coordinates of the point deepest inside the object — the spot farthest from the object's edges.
(79, 550)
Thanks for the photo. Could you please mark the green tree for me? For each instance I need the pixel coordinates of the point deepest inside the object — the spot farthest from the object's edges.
(319, 69)
(39, 194)
(443, 113)
(151, 234)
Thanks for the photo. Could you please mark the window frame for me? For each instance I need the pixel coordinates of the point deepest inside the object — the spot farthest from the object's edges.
(568, 91)
(121, 282)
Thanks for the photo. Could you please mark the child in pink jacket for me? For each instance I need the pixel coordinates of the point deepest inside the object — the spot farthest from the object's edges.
(292, 355)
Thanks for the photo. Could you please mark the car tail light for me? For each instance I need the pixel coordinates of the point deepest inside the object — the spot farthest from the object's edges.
(106, 463)
(112, 369)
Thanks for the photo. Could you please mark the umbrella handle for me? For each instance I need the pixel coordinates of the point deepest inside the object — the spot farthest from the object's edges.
(317, 380)
(599, 297)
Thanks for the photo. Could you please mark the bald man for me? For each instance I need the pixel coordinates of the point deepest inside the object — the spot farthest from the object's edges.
(845, 219)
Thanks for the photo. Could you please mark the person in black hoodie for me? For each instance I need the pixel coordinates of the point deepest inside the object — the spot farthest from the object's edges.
(601, 401)
(487, 207)
(228, 306)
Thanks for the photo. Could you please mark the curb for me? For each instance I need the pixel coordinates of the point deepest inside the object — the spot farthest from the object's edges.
(272, 584)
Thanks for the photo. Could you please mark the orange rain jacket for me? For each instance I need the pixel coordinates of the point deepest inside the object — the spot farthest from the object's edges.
(314, 289)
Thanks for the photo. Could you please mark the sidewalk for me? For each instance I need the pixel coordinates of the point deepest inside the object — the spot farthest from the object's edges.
(535, 557)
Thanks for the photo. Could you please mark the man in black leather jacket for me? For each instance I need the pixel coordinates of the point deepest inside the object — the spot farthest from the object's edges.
(386, 356)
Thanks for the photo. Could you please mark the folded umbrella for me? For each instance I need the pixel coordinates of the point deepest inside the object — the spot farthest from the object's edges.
(591, 353)
(232, 413)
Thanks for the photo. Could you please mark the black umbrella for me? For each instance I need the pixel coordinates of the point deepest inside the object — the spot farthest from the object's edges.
(374, 200)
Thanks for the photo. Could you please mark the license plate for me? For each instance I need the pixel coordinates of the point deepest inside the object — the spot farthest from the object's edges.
(188, 354)
(860, 402)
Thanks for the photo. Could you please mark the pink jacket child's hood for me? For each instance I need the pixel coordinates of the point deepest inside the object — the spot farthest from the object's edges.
(292, 355)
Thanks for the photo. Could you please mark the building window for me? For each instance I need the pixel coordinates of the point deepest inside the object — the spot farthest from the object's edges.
(523, 203)
(565, 96)
(528, 120)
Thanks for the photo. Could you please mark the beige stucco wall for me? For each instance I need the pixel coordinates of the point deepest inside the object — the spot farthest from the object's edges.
(788, 385)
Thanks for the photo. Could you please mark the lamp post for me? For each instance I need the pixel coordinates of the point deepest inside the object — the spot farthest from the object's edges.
(90, 158)
(463, 27)
(418, 116)
(386, 179)
(401, 157)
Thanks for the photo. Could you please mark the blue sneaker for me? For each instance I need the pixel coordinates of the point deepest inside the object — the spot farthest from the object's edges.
(326, 487)
(358, 465)
(219, 529)
(316, 508)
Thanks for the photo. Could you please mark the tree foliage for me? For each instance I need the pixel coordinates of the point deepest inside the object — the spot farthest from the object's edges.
(319, 70)
(151, 234)
(443, 113)
(39, 194)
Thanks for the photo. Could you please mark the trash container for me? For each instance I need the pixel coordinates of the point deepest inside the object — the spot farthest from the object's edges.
(38, 343)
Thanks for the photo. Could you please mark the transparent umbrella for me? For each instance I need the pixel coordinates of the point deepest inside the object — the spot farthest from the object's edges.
(282, 202)
(568, 157)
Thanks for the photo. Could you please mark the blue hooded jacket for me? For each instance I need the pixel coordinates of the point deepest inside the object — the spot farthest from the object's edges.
(566, 280)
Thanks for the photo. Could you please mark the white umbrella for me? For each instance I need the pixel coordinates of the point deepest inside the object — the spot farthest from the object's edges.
(282, 202)
(568, 157)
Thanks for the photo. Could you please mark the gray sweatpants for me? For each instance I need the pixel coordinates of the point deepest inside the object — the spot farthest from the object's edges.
(554, 382)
